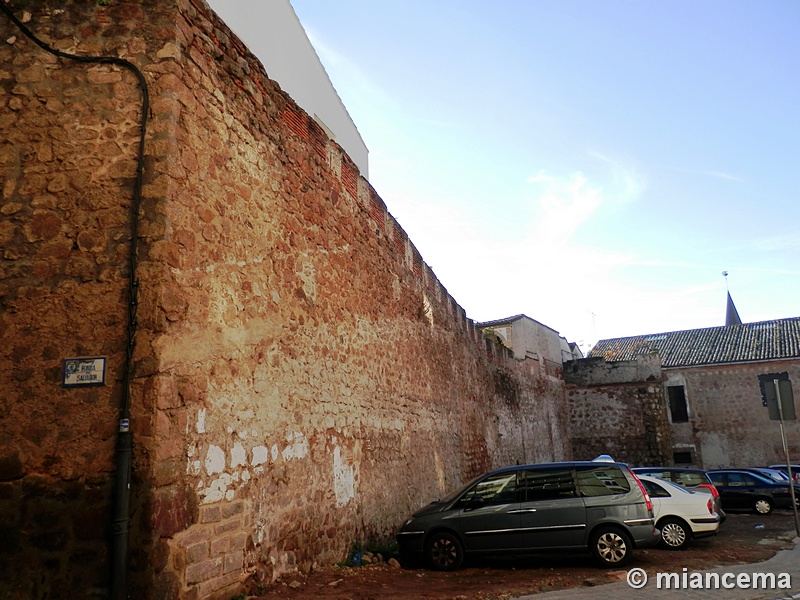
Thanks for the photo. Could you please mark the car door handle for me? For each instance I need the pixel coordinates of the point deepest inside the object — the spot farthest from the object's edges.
(521, 510)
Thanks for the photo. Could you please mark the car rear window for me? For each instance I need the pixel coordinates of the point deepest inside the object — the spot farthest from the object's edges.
(684, 478)
(602, 481)
(690, 479)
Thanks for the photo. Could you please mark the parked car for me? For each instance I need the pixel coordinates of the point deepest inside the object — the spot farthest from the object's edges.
(681, 515)
(597, 507)
(742, 489)
(696, 480)
(792, 471)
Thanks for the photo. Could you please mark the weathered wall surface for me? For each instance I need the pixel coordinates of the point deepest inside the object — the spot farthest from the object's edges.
(303, 380)
(618, 409)
(728, 426)
(68, 138)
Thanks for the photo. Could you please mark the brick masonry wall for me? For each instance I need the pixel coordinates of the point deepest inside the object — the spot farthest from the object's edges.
(729, 425)
(625, 419)
(303, 380)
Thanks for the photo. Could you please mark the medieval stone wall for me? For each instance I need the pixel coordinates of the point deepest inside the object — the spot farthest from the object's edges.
(302, 378)
(68, 139)
(619, 409)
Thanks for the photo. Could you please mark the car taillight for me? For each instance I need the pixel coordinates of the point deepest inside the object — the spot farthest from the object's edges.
(713, 488)
(647, 500)
(710, 506)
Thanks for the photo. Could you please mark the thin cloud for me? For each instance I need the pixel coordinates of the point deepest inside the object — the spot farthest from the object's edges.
(773, 243)
(626, 182)
(565, 203)
(706, 173)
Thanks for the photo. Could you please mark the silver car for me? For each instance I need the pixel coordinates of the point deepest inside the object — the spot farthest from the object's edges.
(596, 507)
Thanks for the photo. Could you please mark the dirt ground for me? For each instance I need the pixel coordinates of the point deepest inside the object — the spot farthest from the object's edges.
(742, 538)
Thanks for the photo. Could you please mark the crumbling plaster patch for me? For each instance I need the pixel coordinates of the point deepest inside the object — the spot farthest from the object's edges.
(343, 479)
(234, 468)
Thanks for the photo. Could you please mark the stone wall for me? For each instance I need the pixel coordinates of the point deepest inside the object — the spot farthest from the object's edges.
(618, 409)
(68, 139)
(302, 378)
(728, 425)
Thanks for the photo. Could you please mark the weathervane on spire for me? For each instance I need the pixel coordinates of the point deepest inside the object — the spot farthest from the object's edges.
(731, 314)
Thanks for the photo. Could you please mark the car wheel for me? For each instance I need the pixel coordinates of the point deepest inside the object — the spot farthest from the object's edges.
(611, 547)
(763, 506)
(444, 552)
(675, 534)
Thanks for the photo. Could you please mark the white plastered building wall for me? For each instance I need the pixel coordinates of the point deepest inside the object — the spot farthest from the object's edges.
(274, 34)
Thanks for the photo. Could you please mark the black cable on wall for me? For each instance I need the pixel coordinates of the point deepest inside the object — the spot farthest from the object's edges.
(120, 515)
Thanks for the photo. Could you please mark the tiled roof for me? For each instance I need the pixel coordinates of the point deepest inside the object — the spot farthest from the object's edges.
(749, 342)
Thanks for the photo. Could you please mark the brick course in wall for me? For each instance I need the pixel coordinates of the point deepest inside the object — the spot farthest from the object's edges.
(302, 378)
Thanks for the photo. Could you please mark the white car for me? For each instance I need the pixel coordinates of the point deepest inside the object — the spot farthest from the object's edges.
(681, 515)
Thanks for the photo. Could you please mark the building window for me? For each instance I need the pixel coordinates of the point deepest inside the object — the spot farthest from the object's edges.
(682, 457)
(677, 404)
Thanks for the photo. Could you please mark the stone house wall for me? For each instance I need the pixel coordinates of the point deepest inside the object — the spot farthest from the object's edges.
(728, 425)
(302, 380)
(619, 409)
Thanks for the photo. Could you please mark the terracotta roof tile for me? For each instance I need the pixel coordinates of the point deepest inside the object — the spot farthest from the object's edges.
(748, 342)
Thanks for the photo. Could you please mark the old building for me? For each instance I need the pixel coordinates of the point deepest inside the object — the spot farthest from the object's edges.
(527, 338)
(712, 388)
(221, 358)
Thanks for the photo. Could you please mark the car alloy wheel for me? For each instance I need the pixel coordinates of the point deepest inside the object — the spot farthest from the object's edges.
(674, 534)
(444, 552)
(763, 506)
(611, 547)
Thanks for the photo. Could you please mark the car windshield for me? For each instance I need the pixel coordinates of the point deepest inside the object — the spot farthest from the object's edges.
(456, 493)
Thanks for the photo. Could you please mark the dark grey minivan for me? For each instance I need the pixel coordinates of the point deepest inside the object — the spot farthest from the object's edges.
(600, 507)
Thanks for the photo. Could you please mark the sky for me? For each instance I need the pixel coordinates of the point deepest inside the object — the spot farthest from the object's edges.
(593, 164)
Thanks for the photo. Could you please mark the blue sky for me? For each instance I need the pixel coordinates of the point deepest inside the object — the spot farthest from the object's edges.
(594, 164)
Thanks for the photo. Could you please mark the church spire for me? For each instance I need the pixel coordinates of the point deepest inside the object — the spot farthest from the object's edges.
(731, 314)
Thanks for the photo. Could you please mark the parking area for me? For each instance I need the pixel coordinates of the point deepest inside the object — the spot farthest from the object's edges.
(743, 538)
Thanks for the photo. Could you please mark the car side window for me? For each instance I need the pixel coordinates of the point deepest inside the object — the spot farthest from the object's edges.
(547, 484)
(496, 489)
(717, 478)
(737, 480)
(655, 490)
(602, 481)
